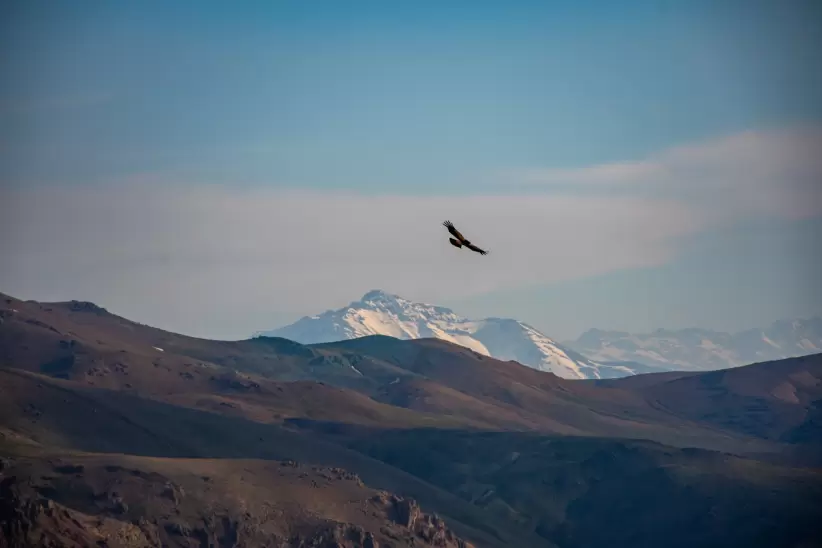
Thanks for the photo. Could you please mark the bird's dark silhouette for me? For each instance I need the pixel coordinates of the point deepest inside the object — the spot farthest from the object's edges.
(459, 240)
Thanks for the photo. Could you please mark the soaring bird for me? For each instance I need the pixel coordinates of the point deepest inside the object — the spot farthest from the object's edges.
(460, 239)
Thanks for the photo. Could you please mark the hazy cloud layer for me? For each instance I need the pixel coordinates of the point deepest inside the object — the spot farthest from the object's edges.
(220, 261)
(211, 248)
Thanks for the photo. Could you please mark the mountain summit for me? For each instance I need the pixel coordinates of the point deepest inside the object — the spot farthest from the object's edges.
(381, 313)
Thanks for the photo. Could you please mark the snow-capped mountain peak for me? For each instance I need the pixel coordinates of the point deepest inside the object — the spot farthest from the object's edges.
(704, 349)
(382, 313)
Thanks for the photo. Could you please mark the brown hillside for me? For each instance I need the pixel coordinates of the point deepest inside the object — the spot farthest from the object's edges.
(541, 401)
(778, 400)
(587, 492)
(452, 386)
(126, 501)
(61, 415)
(83, 343)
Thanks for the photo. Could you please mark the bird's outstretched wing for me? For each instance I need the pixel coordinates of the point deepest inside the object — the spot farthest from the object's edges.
(472, 247)
(453, 230)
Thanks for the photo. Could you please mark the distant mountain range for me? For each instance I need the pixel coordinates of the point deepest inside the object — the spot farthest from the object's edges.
(381, 313)
(703, 349)
(596, 354)
(116, 433)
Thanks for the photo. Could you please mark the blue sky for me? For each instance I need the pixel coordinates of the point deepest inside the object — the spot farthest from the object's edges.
(188, 116)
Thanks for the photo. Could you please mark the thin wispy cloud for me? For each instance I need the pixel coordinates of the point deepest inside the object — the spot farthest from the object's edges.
(776, 172)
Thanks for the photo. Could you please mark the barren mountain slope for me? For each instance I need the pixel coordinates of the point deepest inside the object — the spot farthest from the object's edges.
(125, 501)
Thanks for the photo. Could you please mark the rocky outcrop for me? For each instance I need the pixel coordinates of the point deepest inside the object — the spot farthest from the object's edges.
(27, 519)
(419, 528)
(337, 536)
(85, 306)
(233, 381)
(63, 503)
